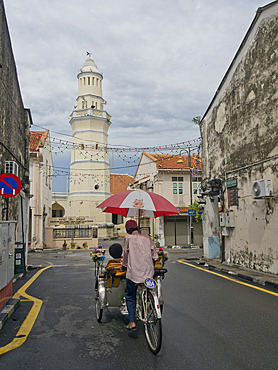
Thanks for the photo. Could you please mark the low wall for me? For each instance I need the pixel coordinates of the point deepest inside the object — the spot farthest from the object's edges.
(5, 294)
(91, 243)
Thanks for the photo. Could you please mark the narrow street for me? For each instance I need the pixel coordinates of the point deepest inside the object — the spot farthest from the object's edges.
(208, 322)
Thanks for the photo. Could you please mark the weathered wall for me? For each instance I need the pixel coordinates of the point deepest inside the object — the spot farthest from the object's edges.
(240, 138)
(242, 126)
(13, 127)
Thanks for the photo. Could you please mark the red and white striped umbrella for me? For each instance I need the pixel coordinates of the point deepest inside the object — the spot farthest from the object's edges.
(127, 203)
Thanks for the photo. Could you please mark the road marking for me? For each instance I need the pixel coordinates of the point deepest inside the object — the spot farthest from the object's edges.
(28, 323)
(228, 278)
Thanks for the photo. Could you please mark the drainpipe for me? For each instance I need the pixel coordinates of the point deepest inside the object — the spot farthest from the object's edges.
(22, 230)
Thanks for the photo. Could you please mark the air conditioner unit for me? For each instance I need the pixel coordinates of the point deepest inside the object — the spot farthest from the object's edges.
(262, 188)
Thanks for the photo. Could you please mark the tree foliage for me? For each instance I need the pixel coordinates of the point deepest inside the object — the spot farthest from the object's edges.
(196, 120)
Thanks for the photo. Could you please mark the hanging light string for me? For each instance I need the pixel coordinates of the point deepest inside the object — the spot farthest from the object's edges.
(81, 175)
(83, 144)
(97, 152)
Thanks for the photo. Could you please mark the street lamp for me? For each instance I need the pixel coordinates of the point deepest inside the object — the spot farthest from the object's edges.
(180, 160)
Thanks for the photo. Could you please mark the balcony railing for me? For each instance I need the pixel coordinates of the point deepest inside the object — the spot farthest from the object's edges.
(90, 112)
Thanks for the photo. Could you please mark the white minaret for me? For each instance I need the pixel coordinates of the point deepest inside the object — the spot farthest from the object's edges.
(89, 167)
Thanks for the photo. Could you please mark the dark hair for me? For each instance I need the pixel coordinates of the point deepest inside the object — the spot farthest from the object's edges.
(116, 250)
(130, 231)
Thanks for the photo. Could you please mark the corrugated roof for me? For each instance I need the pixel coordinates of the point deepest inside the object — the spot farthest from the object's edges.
(37, 139)
(119, 182)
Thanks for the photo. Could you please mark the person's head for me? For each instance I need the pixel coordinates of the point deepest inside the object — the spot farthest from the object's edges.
(131, 225)
(116, 250)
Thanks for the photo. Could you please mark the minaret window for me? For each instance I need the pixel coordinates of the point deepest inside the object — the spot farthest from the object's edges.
(84, 80)
(93, 80)
(88, 80)
(96, 105)
(97, 81)
(83, 104)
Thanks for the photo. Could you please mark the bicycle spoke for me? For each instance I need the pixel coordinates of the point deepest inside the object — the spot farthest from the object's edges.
(152, 325)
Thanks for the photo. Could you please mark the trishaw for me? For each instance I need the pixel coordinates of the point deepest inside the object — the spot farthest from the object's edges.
(110, 281)
(110, 292)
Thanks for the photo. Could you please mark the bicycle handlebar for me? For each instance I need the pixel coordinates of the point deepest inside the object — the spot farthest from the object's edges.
(159, 271)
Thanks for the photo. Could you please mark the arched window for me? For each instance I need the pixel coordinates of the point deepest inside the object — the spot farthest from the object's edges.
(88, 80)
(57, 210)
(84, 80)
(93, 82)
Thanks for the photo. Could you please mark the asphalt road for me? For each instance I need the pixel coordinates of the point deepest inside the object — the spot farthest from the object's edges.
(208, 322)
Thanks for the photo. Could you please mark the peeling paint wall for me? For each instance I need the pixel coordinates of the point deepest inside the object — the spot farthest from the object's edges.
(239, 132)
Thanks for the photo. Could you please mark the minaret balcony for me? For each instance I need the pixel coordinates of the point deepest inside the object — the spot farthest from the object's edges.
(90, 112)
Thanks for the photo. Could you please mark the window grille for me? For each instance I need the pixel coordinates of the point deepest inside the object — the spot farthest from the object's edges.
(11, 167)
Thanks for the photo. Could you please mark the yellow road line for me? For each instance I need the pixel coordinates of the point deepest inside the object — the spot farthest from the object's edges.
(28, 323)
(228, 278)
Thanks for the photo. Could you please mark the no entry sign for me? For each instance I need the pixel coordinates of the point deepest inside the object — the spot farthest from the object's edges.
(10, 185)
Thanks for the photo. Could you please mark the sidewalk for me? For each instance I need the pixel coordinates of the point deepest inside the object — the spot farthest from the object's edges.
(258, 277)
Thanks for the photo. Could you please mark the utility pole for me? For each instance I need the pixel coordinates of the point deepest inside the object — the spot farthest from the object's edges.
(191, 200)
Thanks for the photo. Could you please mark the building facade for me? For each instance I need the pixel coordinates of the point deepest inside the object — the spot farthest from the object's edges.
(240, 152)
(40, 187)
(172, 177)
(15, 121)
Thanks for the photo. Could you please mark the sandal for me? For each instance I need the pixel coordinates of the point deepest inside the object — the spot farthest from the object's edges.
(131, 328)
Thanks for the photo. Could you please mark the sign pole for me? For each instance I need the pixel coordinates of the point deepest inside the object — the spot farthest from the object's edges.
(7, 209)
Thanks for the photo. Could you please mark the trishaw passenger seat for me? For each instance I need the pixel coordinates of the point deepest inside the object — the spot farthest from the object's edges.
(157, 265)
(115, 279)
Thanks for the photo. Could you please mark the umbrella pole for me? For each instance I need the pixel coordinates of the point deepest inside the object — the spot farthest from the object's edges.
(139, 219)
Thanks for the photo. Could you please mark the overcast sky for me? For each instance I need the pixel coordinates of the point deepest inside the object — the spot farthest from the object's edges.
(162, 60)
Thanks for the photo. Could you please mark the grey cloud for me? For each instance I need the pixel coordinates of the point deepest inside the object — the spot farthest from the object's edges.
(162, 60)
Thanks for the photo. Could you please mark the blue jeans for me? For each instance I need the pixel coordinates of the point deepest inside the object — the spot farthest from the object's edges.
(130, 297)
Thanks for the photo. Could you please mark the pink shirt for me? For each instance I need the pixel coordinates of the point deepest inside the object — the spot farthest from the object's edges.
(139, 254)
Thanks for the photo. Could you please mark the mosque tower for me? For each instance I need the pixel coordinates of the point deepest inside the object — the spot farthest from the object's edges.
(89, 167)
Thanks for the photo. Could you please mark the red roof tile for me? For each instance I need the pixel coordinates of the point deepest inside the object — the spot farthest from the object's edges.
(37, 139)
(119, 182)
(174, 161)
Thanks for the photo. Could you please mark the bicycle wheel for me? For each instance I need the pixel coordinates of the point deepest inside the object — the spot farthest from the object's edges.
(153, 328)
(99, 310)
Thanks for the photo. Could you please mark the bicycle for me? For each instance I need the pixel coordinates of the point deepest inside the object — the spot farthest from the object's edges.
(149, 302)
(149, 310)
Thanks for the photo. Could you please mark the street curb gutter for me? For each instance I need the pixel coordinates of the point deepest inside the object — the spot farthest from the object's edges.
(245, 276)
(8, 310)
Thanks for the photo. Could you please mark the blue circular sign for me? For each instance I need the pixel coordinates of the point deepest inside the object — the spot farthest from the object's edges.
(150, 283)
(10, 185)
